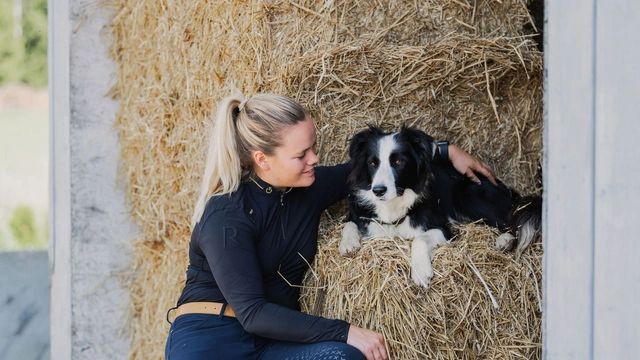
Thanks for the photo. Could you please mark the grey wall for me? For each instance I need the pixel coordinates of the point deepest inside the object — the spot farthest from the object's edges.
(89, 221)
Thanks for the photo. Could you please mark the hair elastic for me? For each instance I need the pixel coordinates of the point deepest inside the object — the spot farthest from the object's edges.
(242, 104)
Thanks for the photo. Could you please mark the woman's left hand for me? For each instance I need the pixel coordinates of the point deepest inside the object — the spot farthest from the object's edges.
(370, 343)
(469, 166)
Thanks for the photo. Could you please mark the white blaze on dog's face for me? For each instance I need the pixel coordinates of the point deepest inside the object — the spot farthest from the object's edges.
(383, 180)
(391, 168)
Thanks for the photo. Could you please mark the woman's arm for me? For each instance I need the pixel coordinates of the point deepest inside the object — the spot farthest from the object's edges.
(331, 184)
(228, 240)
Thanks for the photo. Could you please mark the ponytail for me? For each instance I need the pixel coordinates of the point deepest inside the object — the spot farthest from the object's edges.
(222, 171)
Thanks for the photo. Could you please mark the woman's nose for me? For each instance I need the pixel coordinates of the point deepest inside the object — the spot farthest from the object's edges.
(313, 159)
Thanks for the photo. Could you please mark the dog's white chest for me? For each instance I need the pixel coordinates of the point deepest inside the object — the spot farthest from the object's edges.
(402, 229)
(389, 211)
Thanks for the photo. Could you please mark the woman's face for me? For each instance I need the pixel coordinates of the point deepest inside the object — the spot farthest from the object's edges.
(292, 163)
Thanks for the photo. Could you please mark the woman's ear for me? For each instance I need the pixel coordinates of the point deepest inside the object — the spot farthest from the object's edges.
(260, 159)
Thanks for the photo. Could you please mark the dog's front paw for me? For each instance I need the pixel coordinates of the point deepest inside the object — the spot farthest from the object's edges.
(421, 254)
(421, 273)
(350, 239)
(505, 242)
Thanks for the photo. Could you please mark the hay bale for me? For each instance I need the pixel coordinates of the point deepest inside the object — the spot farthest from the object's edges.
(481, 304)
(462, 71)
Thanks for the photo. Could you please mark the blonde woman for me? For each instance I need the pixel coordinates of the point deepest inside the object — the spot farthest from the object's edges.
(255, 228)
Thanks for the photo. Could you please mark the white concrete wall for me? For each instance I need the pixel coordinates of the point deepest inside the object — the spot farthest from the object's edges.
(90, 225)
(592, 181)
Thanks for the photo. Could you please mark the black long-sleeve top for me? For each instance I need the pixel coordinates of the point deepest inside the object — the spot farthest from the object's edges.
(248, 250)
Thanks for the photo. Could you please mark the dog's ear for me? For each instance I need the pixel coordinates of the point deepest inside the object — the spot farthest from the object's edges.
(423, 147)
(360, 141)
(358, 152)
(423, 144)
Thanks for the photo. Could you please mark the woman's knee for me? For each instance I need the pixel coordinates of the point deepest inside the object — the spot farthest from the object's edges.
(319, 351)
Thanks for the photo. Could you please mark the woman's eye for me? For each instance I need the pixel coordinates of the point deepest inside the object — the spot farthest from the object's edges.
(399, 162)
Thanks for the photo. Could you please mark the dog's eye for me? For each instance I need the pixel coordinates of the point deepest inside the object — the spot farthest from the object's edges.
(372, 164)
(399, 162)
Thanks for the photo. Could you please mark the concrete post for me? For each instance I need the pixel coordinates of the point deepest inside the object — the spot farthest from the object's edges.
(90, 225)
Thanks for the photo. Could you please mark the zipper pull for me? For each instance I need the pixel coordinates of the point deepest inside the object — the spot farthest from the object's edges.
(281, 199)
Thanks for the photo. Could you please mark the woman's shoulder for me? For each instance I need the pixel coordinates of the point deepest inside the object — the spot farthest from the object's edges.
(225, 202)
(221, 212)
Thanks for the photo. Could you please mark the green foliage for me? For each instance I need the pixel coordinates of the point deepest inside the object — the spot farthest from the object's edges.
(24, 229)
(24, 59)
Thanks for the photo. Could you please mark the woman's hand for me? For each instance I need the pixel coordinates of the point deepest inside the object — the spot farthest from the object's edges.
(468, 165)
(370, 343)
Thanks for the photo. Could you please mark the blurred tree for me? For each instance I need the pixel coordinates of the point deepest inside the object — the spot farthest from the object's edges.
(34, 34)
(11, 51)
(23, 58)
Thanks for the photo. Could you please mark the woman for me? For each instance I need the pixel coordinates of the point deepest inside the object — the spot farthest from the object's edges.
(255, 228)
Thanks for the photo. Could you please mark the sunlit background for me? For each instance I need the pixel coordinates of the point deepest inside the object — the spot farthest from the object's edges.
(24, 125)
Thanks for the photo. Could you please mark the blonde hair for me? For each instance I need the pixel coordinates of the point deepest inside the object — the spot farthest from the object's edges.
(242, 126)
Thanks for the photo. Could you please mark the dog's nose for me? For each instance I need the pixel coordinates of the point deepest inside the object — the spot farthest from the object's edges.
(379, 190)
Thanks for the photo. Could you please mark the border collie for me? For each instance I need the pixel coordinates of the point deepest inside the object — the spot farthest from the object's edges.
(397, 189)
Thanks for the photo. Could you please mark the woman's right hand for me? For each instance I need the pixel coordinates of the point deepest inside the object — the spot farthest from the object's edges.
(370, 343)
(469, 165)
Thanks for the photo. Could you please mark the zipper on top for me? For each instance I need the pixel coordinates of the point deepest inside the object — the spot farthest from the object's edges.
(284, 237)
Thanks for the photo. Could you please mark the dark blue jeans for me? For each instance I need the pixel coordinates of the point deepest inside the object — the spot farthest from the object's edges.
(201, 337)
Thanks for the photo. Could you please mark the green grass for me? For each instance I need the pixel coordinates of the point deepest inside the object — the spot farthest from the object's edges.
(24, 173)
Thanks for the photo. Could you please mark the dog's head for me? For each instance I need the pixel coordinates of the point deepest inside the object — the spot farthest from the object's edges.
(387, 164)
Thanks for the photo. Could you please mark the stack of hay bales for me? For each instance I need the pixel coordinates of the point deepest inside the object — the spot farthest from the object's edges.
(461, 70)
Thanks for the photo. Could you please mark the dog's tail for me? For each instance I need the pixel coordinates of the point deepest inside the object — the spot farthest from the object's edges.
(525, 221)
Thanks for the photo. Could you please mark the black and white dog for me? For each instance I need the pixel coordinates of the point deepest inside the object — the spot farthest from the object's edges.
(397, 189)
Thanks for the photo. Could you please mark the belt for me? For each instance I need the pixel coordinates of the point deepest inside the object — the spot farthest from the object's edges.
(212, 308)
